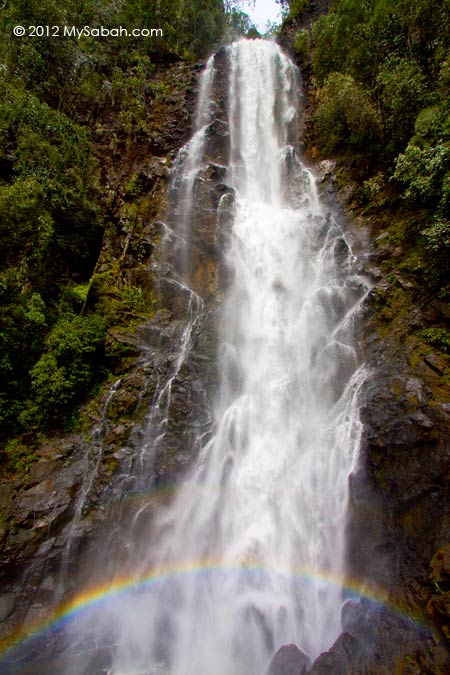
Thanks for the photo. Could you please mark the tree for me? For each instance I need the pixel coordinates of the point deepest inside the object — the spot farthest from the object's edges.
(402, 92)
(346, 115)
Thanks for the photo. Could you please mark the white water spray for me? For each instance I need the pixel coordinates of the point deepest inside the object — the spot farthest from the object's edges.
(259, 524)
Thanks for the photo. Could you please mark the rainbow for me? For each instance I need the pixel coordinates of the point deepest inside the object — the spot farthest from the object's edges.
(93, 596)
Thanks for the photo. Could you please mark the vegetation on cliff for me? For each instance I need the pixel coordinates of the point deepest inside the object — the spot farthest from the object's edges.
(380, 79)
(379, 76)
(67, 106)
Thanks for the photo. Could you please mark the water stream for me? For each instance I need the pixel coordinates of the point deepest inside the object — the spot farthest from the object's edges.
(250, 552)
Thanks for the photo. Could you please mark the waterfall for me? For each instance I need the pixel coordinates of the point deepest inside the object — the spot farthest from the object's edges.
(256, 534)
(188, 162)
(249, 554)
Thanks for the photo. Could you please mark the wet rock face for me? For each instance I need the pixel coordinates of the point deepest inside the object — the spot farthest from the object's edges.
(189, 412)
(399, 512)
(361, 619)
(396, 646)
(218, 139)
(207, 211)
(53, 511)
(406, 456)
(211, 223)
(344, 657)
(374, 641)
(170, 119)
(35, 515)
(289, 660)
(438, 606)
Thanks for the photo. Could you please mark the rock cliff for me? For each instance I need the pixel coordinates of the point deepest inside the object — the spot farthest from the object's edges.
(399, 529)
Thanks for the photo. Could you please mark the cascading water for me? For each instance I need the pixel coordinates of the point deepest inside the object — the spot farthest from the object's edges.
(250, 553)
(186, 170)
(260, 521)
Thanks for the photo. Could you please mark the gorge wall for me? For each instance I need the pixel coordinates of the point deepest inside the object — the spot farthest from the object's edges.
(399, 524)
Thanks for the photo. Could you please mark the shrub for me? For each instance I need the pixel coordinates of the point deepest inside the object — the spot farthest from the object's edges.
(437, 245)
(346, 114)
(373, 188)
(63, 374)
(422, 172)
(444, 75)
(297, 7)
(48, 212)
(428, 122)
(302, 43)
(401, 87)
(438, 237)
(437, 337)
(326, 59)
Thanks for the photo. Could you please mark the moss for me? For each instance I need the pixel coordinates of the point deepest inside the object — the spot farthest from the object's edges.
(400, 229)
(394, 304)
(302, 43)
(111, 465)
(18, 457)
(437, 337)
(413, 263)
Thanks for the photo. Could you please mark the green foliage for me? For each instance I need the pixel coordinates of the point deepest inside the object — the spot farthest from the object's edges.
(382, 76)
(302, 43)
(165, 14)
(292, 9)
(23, 324)
(326, 59)
(348, 39)
(401, 86)
(17, 456)
(78, 294)
(132, 298)
(131, 89)
(423, 171)
(64, 373)
(373, 188)
(58, 69)
(113, 301)
(49, 189)
(437, 245)
(346, 115)
(297, 7)
(428, 123)
(35, 311)
(204, 21)
(240, 24)
(437, 337)
(397, 51)
(57, 95)
(444, 75)
(39, 63)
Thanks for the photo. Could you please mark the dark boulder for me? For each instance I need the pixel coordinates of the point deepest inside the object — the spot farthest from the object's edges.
(360, 618)
(289, 660)
(344, 657)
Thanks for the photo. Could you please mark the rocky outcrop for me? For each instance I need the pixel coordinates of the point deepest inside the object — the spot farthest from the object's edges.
(439, 603)
(399, 490)
(399, 525)
(289, 660)
(86, 485)
(50, 510)
(399, 517)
